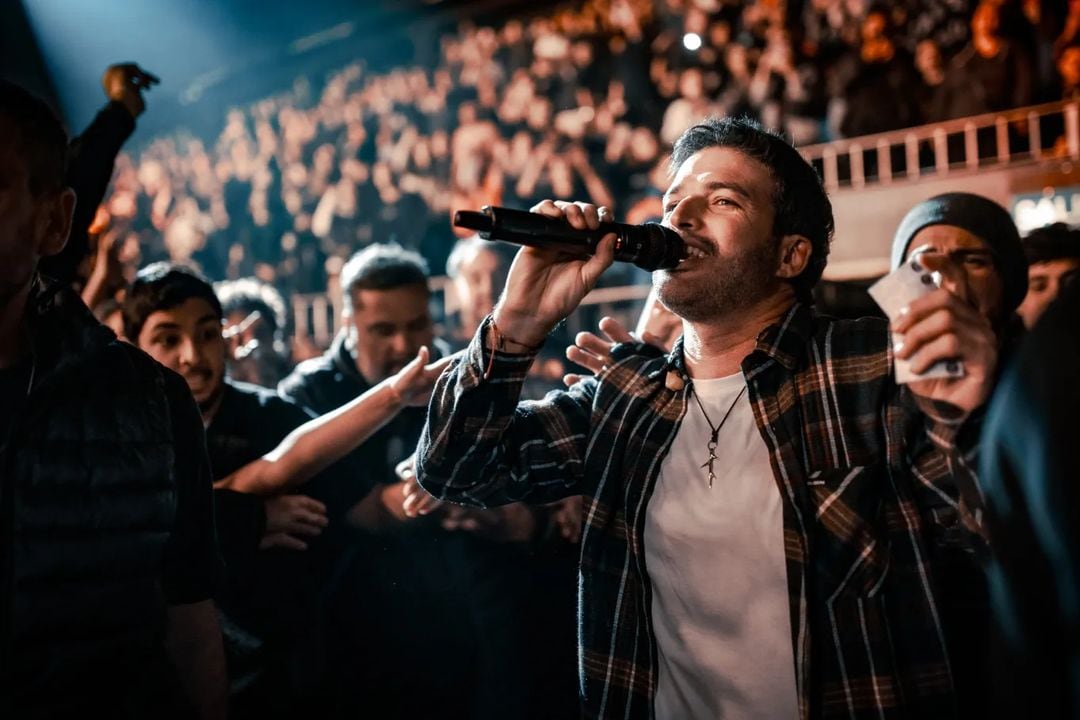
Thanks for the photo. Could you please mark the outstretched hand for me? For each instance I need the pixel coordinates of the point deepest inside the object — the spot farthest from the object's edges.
(414, 382)
(594, 352)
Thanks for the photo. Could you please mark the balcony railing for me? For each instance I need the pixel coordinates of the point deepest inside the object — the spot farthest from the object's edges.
(1031, 134)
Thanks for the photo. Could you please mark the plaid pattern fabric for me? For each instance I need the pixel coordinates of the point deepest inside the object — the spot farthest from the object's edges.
(861, 470)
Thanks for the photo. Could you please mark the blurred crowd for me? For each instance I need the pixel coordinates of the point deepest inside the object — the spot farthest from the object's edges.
(582, 102)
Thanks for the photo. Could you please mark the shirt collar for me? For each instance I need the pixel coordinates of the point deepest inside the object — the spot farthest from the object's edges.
(783, 341)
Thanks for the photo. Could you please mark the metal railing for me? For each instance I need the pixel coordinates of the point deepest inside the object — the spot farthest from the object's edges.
(1039, 132)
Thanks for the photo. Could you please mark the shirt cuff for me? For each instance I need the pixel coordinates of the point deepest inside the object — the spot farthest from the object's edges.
(479, 365)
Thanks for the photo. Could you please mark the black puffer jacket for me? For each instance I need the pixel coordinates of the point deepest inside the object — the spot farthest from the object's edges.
(88, 505)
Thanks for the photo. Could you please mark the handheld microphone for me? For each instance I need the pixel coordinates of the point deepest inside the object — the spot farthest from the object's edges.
(650, 246)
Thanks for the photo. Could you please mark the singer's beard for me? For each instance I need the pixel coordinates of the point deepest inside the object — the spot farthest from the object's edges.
(718, 286)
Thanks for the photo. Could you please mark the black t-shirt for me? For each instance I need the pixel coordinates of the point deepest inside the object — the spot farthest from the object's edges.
(250, 422)
(267, 592)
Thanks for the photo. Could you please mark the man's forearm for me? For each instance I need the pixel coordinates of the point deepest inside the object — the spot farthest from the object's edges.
(195, 648)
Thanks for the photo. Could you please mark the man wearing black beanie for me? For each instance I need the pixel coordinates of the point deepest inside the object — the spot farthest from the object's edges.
(972, 242)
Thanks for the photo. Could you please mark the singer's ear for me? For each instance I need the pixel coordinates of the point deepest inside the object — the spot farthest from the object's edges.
(794, 252)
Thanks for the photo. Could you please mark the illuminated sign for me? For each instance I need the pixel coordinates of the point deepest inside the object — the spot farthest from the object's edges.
(1034, 210)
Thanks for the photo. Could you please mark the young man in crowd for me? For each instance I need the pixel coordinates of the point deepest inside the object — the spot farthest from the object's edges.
(255, 323)
(109, 557)
(1053, 255)
(753, 545)
(172, 313)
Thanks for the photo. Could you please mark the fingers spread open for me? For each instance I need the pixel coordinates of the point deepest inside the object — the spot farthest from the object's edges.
(593, 343)
(586, 359)
(615, 330)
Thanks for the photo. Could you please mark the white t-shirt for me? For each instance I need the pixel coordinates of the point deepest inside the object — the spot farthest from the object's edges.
(715, 557)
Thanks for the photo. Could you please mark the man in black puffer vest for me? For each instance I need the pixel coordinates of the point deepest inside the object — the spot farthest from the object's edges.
(108, 557)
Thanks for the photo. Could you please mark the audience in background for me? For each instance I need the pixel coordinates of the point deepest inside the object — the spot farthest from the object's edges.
(400, 598)
(576, 102)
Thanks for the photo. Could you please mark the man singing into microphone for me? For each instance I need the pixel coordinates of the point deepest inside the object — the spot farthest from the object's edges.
(754, 541)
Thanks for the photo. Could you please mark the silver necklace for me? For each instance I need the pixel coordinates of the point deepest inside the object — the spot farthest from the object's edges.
(715, 431)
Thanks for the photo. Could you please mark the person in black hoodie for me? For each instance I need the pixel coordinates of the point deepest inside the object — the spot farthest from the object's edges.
(109, 554)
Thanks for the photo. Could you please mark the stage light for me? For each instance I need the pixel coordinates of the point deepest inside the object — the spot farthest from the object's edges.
(691, 41)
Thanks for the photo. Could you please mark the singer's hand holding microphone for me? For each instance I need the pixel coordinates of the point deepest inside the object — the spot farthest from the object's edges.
(562, 259)
(545, 285)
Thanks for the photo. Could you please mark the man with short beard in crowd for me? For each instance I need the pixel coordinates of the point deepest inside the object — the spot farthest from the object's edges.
(109, 558)
(753, 543)
(172, 313)
(401, 576)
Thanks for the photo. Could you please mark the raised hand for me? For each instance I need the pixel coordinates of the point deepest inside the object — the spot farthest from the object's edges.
(544, 286)
(125, 82)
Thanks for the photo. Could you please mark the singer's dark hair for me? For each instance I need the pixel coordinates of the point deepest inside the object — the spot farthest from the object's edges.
(799, 200)
(382, 266)
(163, 286)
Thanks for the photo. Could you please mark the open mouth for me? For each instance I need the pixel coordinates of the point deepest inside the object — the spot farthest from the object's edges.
(695, 248)
(693, 252)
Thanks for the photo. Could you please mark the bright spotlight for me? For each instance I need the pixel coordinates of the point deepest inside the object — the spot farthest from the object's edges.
(691, 41)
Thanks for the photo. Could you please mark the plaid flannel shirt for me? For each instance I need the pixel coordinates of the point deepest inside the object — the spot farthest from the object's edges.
(862, 471)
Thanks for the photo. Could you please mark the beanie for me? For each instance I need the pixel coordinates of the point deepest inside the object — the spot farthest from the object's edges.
(981, 217)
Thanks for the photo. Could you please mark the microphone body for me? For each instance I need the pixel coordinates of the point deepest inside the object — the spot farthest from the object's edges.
(650, 246)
